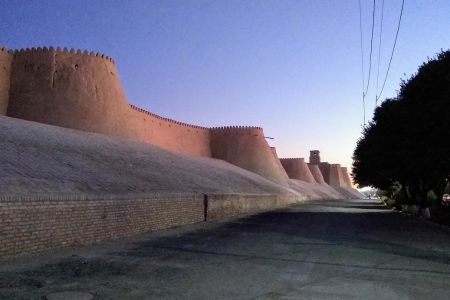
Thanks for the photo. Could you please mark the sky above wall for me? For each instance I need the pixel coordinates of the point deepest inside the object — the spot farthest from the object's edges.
(291, 67)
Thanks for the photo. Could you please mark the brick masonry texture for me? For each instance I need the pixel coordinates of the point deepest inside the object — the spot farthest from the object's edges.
(30, 224)
(34, 223)
(226, 205)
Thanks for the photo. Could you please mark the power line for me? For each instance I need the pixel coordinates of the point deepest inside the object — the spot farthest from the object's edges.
(362, 63)
(371, 48)
(393, 49)
(379, 51)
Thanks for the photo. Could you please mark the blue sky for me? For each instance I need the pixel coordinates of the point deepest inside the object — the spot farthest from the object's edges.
(292, 67)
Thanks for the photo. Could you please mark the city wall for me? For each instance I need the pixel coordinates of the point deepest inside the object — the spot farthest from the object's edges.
(82, 90)
(317, 174)
(346, 177)
(31, 224)
(247, 148)
(296, 168)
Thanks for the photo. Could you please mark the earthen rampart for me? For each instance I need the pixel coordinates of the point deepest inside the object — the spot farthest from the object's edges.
(296, 168)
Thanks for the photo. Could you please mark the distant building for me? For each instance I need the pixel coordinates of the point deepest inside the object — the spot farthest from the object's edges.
(314, 157)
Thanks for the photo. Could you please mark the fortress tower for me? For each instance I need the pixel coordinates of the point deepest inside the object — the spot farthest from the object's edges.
(247, 148)
(314, 157)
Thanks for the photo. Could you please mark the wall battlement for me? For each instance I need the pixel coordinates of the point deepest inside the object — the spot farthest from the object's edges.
(231, 128)
(134, 107)
(64, 50)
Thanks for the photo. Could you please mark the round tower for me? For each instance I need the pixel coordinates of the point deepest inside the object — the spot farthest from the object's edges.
(296, 168)
(68, 88)
(247, 148)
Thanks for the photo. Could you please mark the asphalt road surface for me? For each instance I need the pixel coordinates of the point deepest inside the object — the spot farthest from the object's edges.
(319, 250)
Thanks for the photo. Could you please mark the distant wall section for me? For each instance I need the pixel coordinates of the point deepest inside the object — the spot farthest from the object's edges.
(296, 168)
(6, 58)
(317, 174)
(247, 148)
(346, 177)
(168, 134)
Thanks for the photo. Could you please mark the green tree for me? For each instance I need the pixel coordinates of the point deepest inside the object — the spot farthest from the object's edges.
(408, 139)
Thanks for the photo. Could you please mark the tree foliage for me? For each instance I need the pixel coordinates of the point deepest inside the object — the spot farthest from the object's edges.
(408, 139)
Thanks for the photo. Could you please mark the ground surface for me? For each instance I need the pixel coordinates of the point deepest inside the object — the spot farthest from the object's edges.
(321, 250)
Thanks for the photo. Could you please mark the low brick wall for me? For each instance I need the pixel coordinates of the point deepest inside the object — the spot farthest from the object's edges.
(228, 205)
(34, 223)
(31, 224)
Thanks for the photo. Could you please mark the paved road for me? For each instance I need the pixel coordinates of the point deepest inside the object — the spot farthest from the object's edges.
(321, 250)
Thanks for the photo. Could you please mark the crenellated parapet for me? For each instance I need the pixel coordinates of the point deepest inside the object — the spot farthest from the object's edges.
(65, 50)
(158, 117)
(234, 128)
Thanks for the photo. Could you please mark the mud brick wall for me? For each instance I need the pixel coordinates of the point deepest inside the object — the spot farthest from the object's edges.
(228, 205)
(31, 224)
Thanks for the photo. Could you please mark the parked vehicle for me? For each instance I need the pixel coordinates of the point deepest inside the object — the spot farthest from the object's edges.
(446, 200)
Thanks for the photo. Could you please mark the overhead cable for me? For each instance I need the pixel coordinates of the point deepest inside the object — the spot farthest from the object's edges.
(392, 52)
